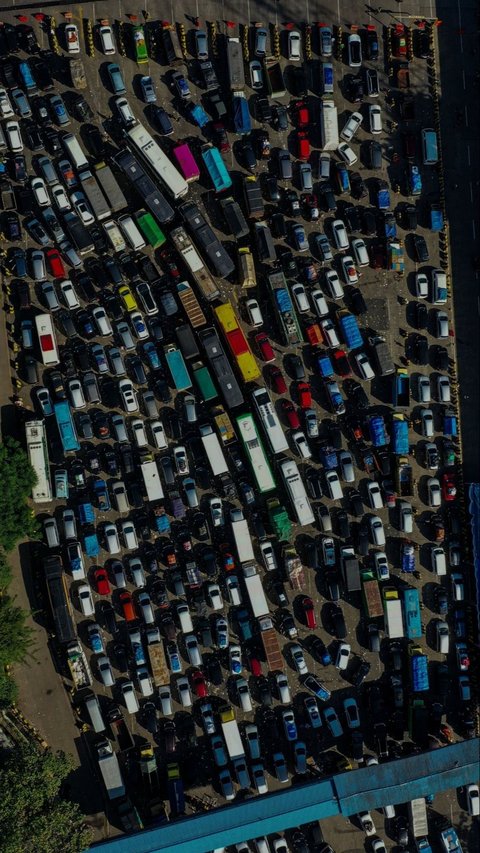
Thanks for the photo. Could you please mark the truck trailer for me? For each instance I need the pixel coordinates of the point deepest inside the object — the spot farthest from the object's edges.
(110, 770)
(254, 587)
(110, 187)
(242, 538)
(95, 196)
(214, 451)
(231, 734)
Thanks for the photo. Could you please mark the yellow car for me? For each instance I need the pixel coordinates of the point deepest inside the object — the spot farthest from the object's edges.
(127, 298)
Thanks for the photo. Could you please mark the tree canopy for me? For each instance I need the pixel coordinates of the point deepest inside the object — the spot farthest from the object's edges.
(33, 814)
(17, 478)
(15, 634)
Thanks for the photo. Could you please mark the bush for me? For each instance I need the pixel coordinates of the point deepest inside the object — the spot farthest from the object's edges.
(17, 478)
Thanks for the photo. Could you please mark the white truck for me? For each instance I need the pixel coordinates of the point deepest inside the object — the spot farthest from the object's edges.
(110, 770)
(417, 812)
(114, 235)
(241, 535)
(214, 451)
(151, 480)
(231, 734)
(392, 607)
(329, 125)
(253, 583)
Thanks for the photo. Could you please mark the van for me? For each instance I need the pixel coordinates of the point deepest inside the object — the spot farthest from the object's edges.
(265, 244)
(284, 165)
(442, 637)
(106, 38)
(74, 151)
(334, 486)
(93, 710)
(438, 561)
(327, 78)
(254, 313)
(48, 171)
(131, 232)
(439, 287)
(120, 494)
(129, 697)
(183, 613)
(429, 147)
(51, 533)
(26, 331)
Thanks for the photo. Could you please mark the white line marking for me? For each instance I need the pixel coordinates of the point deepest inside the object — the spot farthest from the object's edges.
(474, 230)
(471, 192)
(468, 155)
(463, 78)
(338, 11)
(466, 115)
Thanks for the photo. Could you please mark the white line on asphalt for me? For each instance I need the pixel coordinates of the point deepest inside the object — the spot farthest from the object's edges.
(338, 11)
(307, 12)
(471, 192)
(468, 156)
(474, 230)
(466, 115)
(463, 78)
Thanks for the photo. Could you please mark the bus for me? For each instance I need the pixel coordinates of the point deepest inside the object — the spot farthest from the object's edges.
(158, 161)
(216, 168)
(411, 613)
(269, 420)
(139, 45)
(151, 196)
(59, 600)
(194, 262)
(220, 365)
(151, 231)
(186, 162)
(47, 339)
(66, 426)
(204, 382)
(255, 453)
(296, 492)
(237, 342)
(37, 450)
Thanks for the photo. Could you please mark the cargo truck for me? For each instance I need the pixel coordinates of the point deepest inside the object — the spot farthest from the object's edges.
(417, 812)
(176, 793)
(350, 569)
(254, 587)
(158, 664)
(253, 197)
(241, 535)
(94, 195)
(204, 382)
(178, 370)
(79, 235)
(190, 305)
(400, 445)
(396, 257)
(110, 187)
(279, 519)
(275, 80)
(194, 263)
(329, 125)
(114, 236)
(246, 268)
(271, 646)
(234, 218)
(371, 595)
(151, 480)
(241, 114)
(231, 733)
(214, 451)
(110, 770)
(350, 331)
(100, 491)
(392, 608)
(293, 568)
(236, 73)
(284, 309)
(223, 424)
(78, 666)
(377, 430)
(119, 731)
(418, 669)
(404, 477)
(401, 389)
(77, 74)
(381, 355)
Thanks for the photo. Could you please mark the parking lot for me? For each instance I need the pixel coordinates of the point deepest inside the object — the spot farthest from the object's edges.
(351, 443)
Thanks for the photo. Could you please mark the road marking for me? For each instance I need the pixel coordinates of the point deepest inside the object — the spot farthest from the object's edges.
(338, 10)
(463, 78)
(474, 230)
(466, 116)
(471, 192)
(459, 25)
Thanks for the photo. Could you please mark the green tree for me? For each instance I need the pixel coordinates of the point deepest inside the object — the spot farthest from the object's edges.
(17, 478)
(15, 634)
(34, 816)
(8, 692)
(5, 571)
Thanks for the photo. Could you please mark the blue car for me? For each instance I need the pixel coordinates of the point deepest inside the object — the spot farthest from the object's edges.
(95, 637)
(244, 624)
(59, 111)
(138, 324)
(174, 657)
(151, 355)
(98, 353)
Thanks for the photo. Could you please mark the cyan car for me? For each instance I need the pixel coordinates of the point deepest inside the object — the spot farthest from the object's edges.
(116, 79)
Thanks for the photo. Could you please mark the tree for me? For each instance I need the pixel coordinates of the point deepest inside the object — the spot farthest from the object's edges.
(8, 690)
(17, 478)
(15, 634)
(33, 814)
(5, 572)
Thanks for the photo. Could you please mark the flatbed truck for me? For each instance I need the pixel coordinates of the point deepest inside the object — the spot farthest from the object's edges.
(78, 666)
(158, 664)
(271, 646)
(283, 305)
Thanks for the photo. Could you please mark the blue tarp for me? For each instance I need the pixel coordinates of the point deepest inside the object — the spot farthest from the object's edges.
(419, 668)
(92, 545)
(378, 433)
(400, 437)
(449, 424)
(241, 115)
(325, 366)
(350, 331)
(199, 116)
(283, 299)
(436, 219)
(383, 199)
(86, 513)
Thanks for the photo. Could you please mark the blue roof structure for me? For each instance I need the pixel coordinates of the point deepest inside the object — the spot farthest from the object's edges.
(346, 793)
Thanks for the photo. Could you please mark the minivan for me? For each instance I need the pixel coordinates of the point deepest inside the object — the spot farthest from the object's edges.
(51, 532)
(429, 147)
(129, 697)
(106, 38)
(131, 232)
(439, 563)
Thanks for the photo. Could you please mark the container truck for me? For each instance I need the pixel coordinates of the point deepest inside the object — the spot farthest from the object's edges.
(284, 309)
(94, 195)
(78, 666)
(241, 114)
(110, 187)
(231, 733)
(190, 305)
(158, 664)
(119, 731)
(329, 125)
(214, 451)
(350, 569)
(293, 568)
(236, 74)
(254, 587)
(371, 595)
(404, 477)
(151, 479)
(417, 812)
(275, 80)
(241, 535)
(253, 197)
(400, 445)
(392, 608)
(114, 236)
(177, 367)
(246, 268)
(350, 331)
(381, 355)
(418, 669)
(271, 646)
(110, 770)
(79, 235)
(401, 389)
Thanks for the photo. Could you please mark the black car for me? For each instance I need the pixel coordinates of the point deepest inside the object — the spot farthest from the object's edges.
(8, 73)
(409, 217)
(110, 461)
(337, 621)
(213, 670)
(137, 370)
(33, 137)
(332, 585)
(356, 394)
(101, 425)
(310, 553)
(126, 458)
(19, 168)
(296, 367)
(120, 656)
(150, 717)
(278, 226)
(80, 354)
(354, 88)
(17, 262)
(362, 542)
(420, 248)
(162, 390)
(113, 270)
(419, 350)
(107, 617)
(419, 315)
(271, 187)
(80, 108)
(96, 271)
(10, 36)
(238, 463)
(264, 691)
(291, 202)
(356, 301)
(382, 461)
(289, 264)
(351, 217)
(358, 186)
(371, 43)
(326, 198)
(13, 228)
(85, 284)
(67, 324)
(85, 425)
(361, 673)
(52, 140)
(280, 117)
(109, 392)
(263, 112)
(314, 484)
(84, 324)
(40, 110)
(258, 526)
(95, 140)
(128, 266)
(68, 366)
(148, 269)
(200, 527)
(209, 562)
(356, 503)
(342, 523)
(24, 200)
(113, 306)
(42, 73)
(27, 38)
(248, 155)
(439, 358)
(369, 222)
(99, 238)
(160, 119)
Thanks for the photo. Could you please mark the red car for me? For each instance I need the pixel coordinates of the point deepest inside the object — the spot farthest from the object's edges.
(101, 580)
(449, 488)
(199, 684)
(303, 145)
(169, 263)
(302, 116)
(304, 395)
(221, 137)
(340, 363)
(255, 665)
(309, 611)
(277, 381)
(55, 263)
(265, 347)
(291, 414)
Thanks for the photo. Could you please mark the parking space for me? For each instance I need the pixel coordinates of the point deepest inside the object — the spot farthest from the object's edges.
(359, 561)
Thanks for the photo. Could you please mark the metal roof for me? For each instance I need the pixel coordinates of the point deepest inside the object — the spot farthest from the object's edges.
(347, 793)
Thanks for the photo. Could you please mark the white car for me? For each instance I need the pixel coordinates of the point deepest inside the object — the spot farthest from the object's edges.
(82, 208)
(346, 154)
(346, 466)
(112, 540)
(300, 297)
(434, 492)
(184, 692)
(423, 389)
(360, 252)
(85, 599)
(343, 655)
(443, 389)
(268, 556)
(329, 333)
(139, 326)
(158, 435)
(294, 46)
(129, 395)
(473, 801)
(39, 189)
(301, 444)
(14, 138)
(374, 495)
(139, 432)
(60, 198)
(421, 285)
(68, 292)
(375, 118)
(350, 273)
(233, 590)
(6, 109)
(125, 112)
(334, 487)
(333, 284)
(256, 74)
(339, 233)
(283, 688)
(381, 565)
(106, 37)
(216, 512)
(426, 417)
(71, 37)
(193, 650)
(351, 126)
(377, 531)
(181, 461)
(254, 313)
(129, 535)
(215, 596)
(298, 659)
(319, 302)
(77, 397)
(364, 367)
(144, 681)
(367, 823)
(235, 659)
(101, 321)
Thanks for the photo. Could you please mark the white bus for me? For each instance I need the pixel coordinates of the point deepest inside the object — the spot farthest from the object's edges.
(213, 450)
(269, 419)
(256, 454)
(37, 450)
(151, 479)
(296, 492)
(158, 161)
(47, 339)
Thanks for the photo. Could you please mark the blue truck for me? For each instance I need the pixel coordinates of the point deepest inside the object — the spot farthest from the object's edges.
(400, 444)
(418, 669)
(328, 457)
(389, 226)
(414, 180)
(436, 217)
(325, 366)
(177, 367)
(378, 433)
(401, 389)
(350, 331)
(383, 196)
(101, 493)
(198, 115)
(241, 114)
